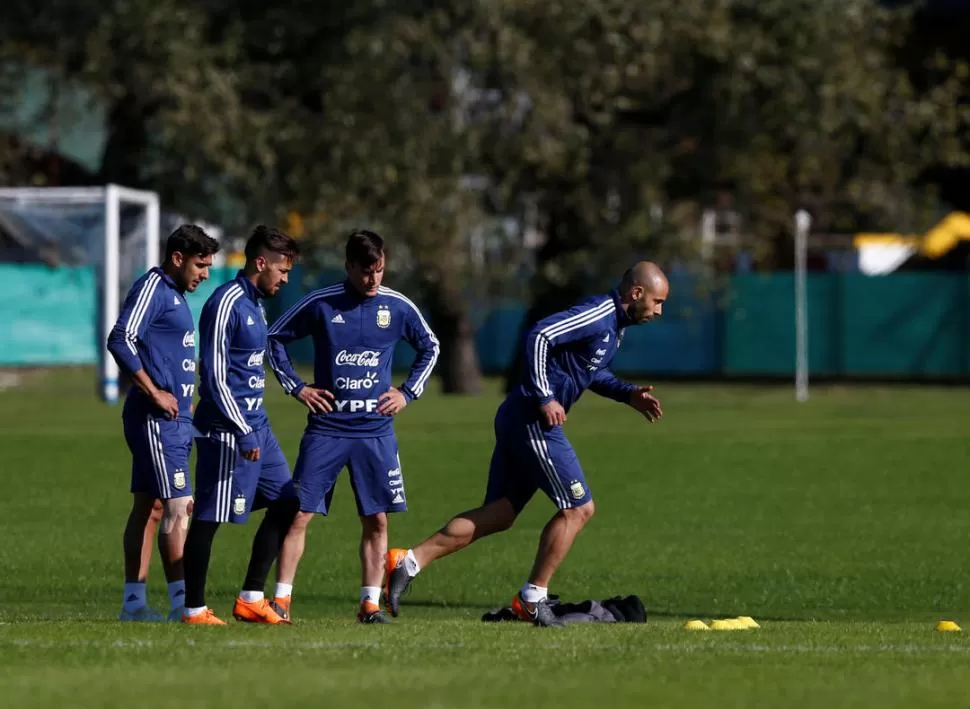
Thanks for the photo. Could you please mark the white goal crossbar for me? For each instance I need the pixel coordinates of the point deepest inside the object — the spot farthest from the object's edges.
(112, 197)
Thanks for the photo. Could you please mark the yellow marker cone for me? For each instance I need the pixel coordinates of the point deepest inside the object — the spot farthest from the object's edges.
(747, 622)
(947, 626)
(695, 625)
(725, 624)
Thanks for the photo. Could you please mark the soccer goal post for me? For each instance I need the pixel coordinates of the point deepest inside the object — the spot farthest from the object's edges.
(803, 224)
(62, 214)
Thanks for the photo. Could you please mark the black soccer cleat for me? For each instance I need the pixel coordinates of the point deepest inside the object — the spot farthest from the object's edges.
(372, 616)
(539, 613)
(398, 580)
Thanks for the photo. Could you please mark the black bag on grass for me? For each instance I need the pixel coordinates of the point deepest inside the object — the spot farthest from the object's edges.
(612, 610)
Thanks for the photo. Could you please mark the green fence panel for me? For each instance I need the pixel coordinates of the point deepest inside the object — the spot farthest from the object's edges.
(49, 315)
(905, 325)
(759, 325)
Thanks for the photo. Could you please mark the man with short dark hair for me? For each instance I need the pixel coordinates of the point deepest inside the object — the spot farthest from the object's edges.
(240, 465)
(355, 327)
(153, 342)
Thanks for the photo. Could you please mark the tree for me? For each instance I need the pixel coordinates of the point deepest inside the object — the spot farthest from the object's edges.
(393, 150)
(784, 103)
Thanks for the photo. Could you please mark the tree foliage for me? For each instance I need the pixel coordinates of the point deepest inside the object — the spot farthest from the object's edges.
(611, 122)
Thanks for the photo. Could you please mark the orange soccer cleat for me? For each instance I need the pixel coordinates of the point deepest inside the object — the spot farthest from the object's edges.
(371, 614)
(207, 617)
(261, 611)
(284, 603)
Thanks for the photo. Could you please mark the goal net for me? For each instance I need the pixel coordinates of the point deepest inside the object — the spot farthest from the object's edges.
(112, 229)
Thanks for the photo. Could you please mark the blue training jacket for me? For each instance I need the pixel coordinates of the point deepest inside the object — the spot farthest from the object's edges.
(232, 343)
(571, 351)
(155, 332)
(354, 337)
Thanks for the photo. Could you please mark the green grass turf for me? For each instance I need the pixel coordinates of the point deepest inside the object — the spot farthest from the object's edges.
(840, 524)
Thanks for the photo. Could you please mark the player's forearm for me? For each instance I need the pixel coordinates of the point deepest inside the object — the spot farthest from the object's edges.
(537, 351)
(124, 352)
(283, 369)
(144, 382)
(614, 388)
(420, 372)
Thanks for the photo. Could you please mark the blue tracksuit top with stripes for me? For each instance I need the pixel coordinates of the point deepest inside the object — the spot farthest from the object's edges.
(354, 337)
(155, 332)
(232, 342)
(570, 351)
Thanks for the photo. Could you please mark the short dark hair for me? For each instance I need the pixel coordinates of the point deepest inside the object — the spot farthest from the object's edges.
(365, 248)
(190, 240)
(265, 238)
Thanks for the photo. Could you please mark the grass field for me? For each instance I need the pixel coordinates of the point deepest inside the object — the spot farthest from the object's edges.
(840, 524)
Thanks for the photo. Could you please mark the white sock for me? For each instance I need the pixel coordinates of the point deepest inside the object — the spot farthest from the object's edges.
(135, 596)
(371, 594)
(533, 594)
(251, 596)
(411, 564)
(176, 594)
(284, 590)
(194, 611)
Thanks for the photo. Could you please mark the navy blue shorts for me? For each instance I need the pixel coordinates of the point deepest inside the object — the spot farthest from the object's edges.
(529, 457)
(160, 451)
(375, 472)
(229, 487)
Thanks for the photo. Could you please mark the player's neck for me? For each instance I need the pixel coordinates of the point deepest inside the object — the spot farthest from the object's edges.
(253, 278)
(169, 270)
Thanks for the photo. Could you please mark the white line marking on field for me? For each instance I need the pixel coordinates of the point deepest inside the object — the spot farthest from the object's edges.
(756, 649)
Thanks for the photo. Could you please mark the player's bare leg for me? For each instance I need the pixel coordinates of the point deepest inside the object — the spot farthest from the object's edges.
(290, 554)
(171, 545)
(251, 604)
(373, 550)
(531, 603)
(556, 541)
(148, 540)
(463, 529)
(137, 544)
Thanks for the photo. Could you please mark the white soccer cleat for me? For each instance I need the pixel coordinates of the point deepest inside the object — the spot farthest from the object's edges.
(144, 614)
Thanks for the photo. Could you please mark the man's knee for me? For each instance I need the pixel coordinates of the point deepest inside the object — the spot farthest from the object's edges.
(145, 508)
(494, 517)
(177, 512)
(582, 514)
(374, 525)
(301, 520)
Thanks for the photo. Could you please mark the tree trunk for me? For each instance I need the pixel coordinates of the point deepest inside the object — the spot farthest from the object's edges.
(124, 150)
(458, 366)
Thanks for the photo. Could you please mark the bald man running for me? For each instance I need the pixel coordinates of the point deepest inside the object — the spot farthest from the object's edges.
(566, 353)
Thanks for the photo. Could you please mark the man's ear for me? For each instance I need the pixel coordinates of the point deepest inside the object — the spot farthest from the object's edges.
(178, 259)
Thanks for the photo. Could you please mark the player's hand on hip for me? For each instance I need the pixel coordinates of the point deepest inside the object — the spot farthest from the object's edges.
(317, 400)
(391, 402)
(553, 413)
(250, 455)
(643, 401)
(167, 403)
